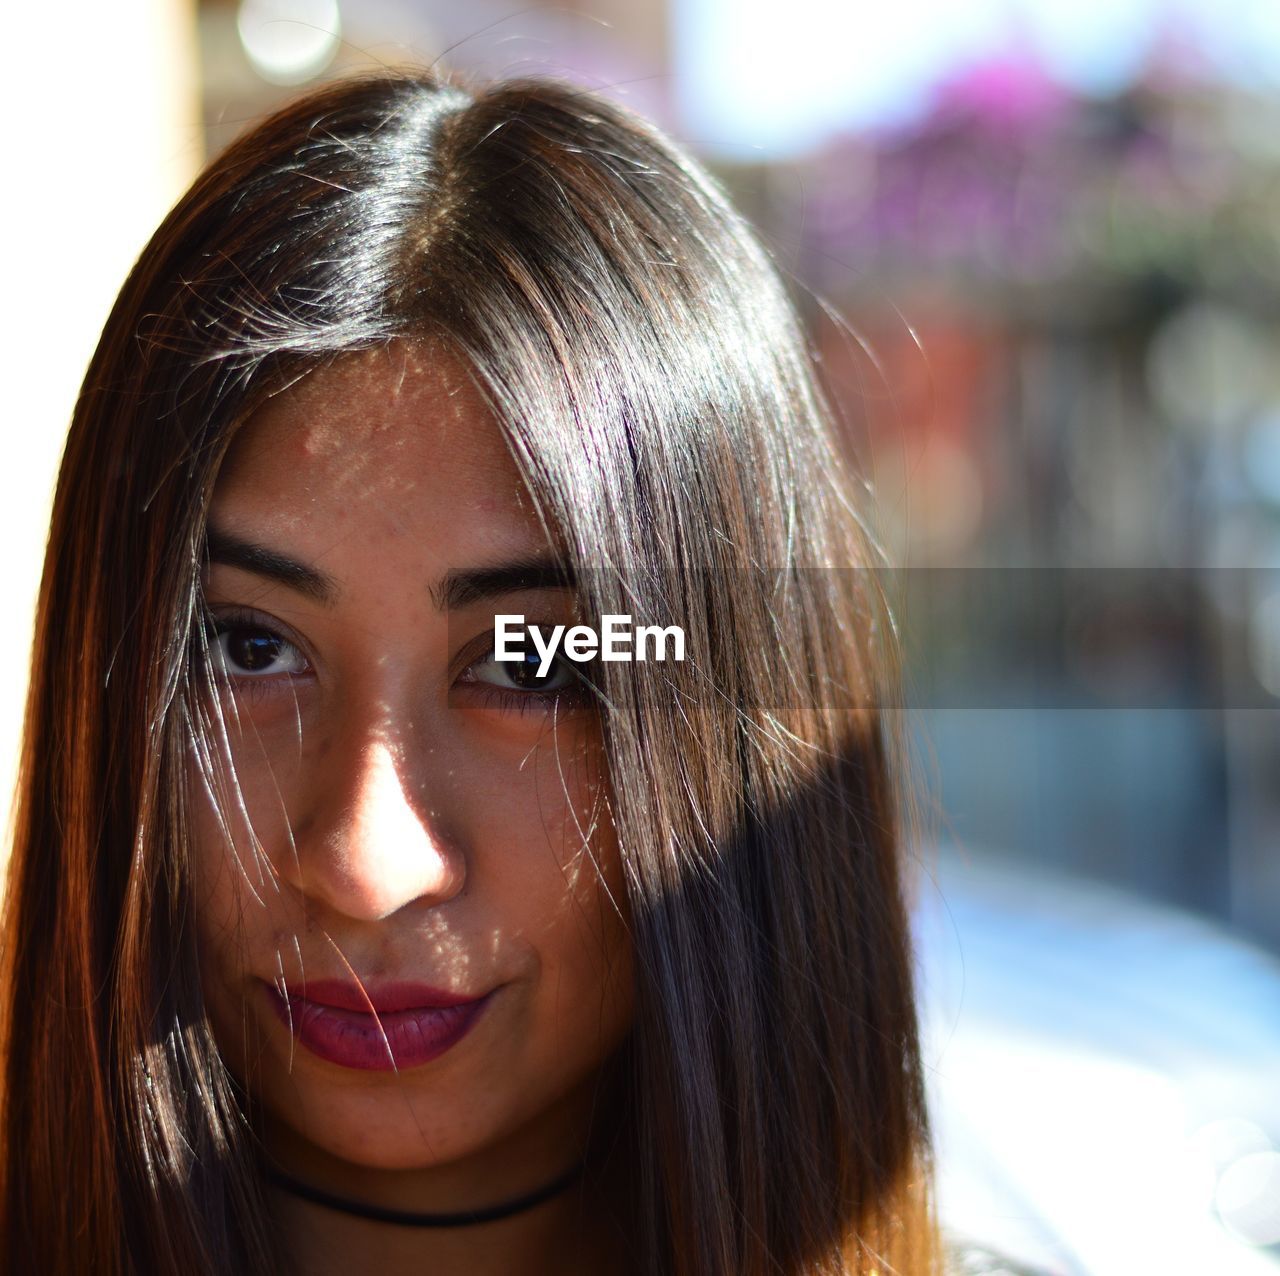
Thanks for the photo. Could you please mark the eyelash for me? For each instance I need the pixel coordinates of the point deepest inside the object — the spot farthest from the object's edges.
(517, 702)
(523, 702)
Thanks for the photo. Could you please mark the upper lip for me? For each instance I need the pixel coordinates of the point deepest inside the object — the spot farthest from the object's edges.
(377, 998)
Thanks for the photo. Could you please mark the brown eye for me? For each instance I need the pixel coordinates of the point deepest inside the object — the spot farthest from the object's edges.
(247, 649)
(514, 687)
(522, 675)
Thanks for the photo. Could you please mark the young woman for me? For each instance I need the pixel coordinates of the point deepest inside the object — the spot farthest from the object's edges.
(334, 943)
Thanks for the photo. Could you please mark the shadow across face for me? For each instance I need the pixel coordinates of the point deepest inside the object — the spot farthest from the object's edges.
(413, 928)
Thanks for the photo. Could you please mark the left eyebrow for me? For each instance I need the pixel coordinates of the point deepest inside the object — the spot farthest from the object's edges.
(459, 587)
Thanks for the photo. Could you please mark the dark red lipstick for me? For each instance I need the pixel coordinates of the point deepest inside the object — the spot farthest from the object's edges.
(377, 1027)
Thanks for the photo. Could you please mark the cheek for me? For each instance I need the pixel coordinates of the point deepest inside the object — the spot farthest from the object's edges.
(554, 814)
(245, 926)
(224, 908)
(234, 883)
(564, 890)
(547, 872)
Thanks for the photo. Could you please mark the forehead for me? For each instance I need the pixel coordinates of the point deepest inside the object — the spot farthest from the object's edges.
(393, 436)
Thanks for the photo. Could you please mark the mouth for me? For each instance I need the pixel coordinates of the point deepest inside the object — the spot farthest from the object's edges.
(377, 1028)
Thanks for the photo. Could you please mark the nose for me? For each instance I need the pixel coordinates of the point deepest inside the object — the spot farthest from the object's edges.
(365, 850)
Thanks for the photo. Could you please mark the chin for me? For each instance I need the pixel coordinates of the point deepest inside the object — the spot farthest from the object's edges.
(390, 1130)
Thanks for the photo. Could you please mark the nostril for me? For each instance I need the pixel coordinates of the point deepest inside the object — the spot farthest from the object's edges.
(373, 844)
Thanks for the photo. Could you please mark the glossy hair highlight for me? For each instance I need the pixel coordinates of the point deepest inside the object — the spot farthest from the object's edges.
(653, 382)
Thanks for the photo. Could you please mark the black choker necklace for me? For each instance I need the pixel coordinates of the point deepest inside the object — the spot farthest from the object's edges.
(406, 1218)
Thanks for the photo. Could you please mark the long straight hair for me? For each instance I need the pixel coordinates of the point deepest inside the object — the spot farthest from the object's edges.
(652, 380)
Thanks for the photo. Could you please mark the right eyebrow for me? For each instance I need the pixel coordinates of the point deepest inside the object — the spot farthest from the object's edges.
(232, 551)
(459, 588)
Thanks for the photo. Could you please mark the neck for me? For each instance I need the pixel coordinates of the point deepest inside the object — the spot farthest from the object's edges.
(566, 1234)
(472, 1217)
(573, 1232)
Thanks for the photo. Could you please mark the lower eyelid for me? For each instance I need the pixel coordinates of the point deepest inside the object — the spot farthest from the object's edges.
(263, 687)
(564, 701)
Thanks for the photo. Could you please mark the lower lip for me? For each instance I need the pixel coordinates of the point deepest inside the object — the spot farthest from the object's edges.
(389, 1042)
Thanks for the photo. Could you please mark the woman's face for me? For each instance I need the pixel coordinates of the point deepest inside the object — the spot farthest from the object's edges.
(416, 824)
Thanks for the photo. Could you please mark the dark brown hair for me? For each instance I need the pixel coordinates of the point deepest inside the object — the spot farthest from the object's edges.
(654, 385)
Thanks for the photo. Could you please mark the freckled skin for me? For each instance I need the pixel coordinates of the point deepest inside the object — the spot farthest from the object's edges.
(395, 830)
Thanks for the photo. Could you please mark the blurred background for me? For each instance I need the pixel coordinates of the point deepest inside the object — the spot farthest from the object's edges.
(1037, 243)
